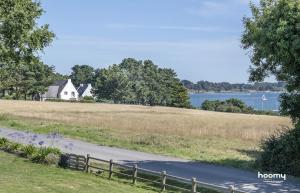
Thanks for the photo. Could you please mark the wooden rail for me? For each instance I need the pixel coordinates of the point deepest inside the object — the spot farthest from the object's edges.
(162, 179)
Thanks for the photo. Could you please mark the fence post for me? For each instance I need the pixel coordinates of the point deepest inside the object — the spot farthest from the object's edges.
(231, 189)
(194, 185)
(87, 163)
(134, 174)
(111, 167)
(163, 180)
(77, 162)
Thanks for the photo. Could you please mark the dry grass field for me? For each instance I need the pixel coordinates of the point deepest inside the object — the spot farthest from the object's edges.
(224, 138)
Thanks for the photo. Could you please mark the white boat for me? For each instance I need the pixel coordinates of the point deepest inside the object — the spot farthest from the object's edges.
(264, 98)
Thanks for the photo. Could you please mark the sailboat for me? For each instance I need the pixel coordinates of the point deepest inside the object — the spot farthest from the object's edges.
(263, 99)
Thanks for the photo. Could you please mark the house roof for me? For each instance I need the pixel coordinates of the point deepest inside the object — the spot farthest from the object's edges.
(55, 89)
(82, 88)
(61, 84)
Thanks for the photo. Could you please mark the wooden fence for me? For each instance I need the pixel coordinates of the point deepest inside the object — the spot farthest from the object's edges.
(76, 162)
(135, 173)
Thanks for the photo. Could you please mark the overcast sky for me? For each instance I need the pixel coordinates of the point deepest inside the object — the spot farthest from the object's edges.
(200, 39)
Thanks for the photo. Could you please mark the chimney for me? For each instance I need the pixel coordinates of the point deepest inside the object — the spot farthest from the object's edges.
(81, 85)
(69, 80)
(89, 85)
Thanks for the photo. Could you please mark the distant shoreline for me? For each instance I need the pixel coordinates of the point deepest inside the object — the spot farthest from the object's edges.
(224, 87)
(233, 91)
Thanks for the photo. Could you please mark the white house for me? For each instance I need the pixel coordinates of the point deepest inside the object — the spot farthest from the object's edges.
(62, 89)
(85, 90)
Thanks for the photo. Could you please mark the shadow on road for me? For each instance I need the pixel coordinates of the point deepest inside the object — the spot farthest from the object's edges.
(219, 175)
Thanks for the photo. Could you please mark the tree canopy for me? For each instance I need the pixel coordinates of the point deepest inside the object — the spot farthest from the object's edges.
(272, 35)
(140, 82)
(82, 74)
(21, 42)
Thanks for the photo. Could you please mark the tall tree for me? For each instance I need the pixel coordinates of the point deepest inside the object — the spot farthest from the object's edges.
(21, 40)
(82, 74)
(272, 35)
(140, 82)
(113, 84)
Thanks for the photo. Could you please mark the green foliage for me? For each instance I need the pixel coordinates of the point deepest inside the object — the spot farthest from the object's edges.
(230, 105)
(82, 74)
(21, 71)
(52, 159)
(281, 152)
(88, 98)
(272, 35)
(41, 155)
(3, 117)
(210, 105)
(45, 155)
(28, 150)
(290, 105)
(3, 142)
(140, 82)
(71, 101)
(12, 147)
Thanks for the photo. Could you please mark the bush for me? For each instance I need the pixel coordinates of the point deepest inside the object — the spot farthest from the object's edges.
(3, 142)
(3, 117)
(60, 100)
(88, 98)
(232, 106)
(281, 152)
(210, 105)
(52, 159)
(12, 147)
(86, 101)
(9, 97)
(44, 155)
(72, 101)
(43, 152)
(28, 151)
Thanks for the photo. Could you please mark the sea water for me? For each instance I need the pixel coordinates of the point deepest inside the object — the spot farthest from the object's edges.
(253, 99)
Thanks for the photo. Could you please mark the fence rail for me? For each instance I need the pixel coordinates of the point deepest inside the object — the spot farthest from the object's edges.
(162, 179)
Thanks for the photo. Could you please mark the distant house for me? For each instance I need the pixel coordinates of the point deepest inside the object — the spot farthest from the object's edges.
(85, 90)
(61, 89)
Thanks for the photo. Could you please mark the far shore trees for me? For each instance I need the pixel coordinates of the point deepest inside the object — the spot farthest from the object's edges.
(272, 35)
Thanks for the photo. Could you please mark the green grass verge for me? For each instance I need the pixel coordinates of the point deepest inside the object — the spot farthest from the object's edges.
(20, 175)
(217, 150)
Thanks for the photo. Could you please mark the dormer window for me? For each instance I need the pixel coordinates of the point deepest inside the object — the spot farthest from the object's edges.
(65, 93)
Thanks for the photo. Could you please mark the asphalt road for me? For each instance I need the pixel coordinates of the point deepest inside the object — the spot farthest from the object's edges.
(208, 173)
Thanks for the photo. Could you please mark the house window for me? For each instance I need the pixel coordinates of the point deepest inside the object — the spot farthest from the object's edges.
(65, 93)
(73, 94)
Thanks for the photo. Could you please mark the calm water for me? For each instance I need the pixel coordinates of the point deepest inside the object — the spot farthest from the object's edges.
(251, 99)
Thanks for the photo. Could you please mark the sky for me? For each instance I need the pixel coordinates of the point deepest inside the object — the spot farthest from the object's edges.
(199, 39)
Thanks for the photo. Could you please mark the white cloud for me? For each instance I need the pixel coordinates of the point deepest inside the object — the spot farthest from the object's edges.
(170, 27)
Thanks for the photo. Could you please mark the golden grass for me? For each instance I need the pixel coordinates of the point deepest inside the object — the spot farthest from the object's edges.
(133, 120)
